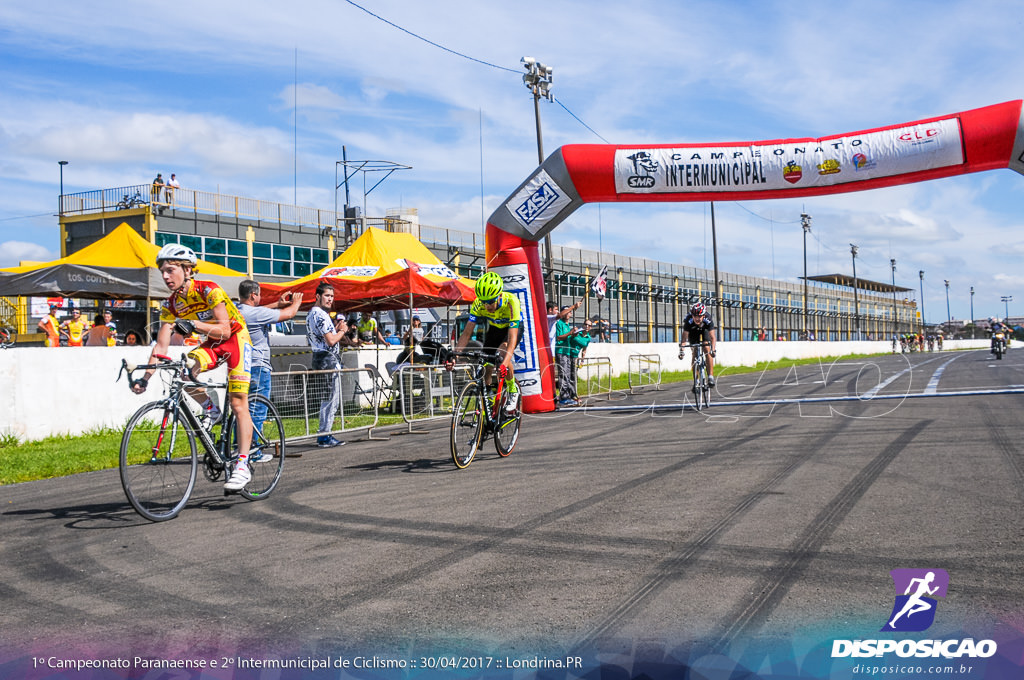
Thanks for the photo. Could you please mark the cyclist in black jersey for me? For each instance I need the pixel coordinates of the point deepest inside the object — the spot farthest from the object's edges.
(698, 326)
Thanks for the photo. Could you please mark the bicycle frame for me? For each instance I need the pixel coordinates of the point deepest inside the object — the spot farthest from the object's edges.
(179, 412)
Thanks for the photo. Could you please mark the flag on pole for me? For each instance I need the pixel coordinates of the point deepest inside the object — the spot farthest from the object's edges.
(600, 283)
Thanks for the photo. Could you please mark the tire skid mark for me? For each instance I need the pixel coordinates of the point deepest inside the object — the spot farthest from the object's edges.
(1010, 451)
(750, 616)
(674, 566)
(497, 537)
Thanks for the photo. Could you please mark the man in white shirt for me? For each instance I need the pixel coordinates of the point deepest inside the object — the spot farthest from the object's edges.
(325, 338)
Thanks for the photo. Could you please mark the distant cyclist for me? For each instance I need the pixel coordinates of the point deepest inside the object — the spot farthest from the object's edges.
(698, 326)
(203, 306)
(500, 310)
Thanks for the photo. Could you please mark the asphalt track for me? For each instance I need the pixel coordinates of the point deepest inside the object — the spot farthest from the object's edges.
(761, 517)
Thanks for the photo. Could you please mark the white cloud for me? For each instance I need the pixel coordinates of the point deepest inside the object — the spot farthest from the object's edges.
(12, 253)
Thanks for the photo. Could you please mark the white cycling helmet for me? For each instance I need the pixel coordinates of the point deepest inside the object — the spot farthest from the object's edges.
(176, 251)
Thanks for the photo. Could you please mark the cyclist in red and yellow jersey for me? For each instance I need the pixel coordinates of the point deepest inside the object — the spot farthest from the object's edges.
(203, 306)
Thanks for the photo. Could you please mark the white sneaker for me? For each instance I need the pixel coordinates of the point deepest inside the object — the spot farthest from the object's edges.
(512, 404)
(257, 456)
(213, 414)
(240, 476)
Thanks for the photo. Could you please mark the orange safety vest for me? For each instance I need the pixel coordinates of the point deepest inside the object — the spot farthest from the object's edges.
(51, 330)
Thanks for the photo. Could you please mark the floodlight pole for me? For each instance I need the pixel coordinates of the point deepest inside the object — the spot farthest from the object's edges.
(538, 80)
(805, 222)
(856, 302)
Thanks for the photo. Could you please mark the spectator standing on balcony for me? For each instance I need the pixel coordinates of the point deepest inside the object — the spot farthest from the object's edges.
(258, 320)
(172, 186)
(325, 338)
(155, 189)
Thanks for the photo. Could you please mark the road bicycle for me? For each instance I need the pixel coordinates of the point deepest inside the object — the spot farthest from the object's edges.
(479, 414)
(701, 383)
(129, 202)
(6, 338)
(159, 459)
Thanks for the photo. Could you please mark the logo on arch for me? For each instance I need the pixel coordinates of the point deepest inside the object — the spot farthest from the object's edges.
(915, 602)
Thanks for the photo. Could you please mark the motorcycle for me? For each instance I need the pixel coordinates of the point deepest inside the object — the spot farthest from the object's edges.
(998, 344)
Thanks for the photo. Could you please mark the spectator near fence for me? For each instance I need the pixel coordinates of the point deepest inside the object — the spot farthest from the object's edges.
(258, 320)
(326, 337)
(569, 343)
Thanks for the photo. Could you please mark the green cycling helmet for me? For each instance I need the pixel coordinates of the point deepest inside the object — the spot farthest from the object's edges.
(489, 286)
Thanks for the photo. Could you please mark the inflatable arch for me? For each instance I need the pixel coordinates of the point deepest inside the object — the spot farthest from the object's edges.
(972, 141)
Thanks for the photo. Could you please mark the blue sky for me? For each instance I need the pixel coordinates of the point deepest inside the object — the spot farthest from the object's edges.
(206, 90)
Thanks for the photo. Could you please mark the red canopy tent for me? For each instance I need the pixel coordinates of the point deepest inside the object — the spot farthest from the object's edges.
(381, 271)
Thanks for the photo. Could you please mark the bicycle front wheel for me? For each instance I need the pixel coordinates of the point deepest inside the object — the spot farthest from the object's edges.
(698, 386)
(266, 453)
(158, 462)
(506, 433)
(467, 425)
(706, 388)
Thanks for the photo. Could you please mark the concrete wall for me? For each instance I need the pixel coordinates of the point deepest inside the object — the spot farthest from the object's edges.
(72, 390)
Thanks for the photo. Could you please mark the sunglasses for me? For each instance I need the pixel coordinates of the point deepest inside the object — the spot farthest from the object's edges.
(489, 302)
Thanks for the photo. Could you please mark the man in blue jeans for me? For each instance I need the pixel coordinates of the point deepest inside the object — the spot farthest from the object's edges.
(259, 319)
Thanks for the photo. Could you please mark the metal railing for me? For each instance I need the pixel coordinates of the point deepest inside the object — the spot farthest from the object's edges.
(594, 377)
(644, 372)
(428, 392)
(299, 397)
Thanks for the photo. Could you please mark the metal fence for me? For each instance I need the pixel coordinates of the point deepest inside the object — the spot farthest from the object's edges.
(319, 403)
(644, 372)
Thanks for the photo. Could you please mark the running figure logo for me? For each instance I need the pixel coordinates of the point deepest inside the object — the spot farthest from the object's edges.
(916, 590)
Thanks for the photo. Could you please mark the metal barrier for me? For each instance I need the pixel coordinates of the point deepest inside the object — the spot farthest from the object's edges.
(594, 377)
(427, 391)
(299, 397)
(647, 369)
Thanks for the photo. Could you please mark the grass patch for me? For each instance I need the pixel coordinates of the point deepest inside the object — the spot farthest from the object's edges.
(99, 449)
(621, 383)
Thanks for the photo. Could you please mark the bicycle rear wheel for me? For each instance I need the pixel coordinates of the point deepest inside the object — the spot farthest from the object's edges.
(467, 425)
(266, 453)
(158, 462)
(506, 433)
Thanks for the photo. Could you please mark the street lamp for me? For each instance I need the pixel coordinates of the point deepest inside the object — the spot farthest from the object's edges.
(972, 313)
(892, 263)
(856, 303)
(805, 222)
(949, 317)
(1007, 299)
(538, 80)
(920, 275)
(60, 208)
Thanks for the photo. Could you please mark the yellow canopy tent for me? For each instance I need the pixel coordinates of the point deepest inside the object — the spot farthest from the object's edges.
(121, 265)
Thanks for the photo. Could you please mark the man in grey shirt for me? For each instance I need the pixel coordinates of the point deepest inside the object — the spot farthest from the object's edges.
(258, 320)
